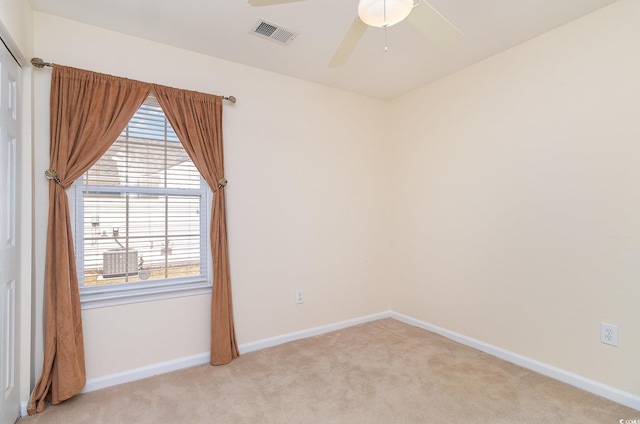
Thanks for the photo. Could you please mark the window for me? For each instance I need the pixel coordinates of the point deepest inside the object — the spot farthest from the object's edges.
(141, 217)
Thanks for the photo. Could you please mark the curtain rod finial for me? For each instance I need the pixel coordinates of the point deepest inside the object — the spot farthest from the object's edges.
(232, 99)
(39, 63)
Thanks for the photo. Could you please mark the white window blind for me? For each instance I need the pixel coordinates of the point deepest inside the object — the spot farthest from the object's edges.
(142, 215)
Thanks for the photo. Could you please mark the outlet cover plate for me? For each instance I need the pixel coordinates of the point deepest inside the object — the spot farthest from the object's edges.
(609, 334)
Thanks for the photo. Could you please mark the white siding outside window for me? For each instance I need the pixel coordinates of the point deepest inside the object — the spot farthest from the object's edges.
(141, 218)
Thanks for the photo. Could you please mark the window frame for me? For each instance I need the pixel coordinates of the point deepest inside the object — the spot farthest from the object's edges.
(148, 290)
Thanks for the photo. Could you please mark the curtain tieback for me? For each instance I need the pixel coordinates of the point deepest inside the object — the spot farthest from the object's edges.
(223, 182)
(51, 175)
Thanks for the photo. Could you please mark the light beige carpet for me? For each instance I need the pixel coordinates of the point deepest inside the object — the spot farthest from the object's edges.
(380, 372)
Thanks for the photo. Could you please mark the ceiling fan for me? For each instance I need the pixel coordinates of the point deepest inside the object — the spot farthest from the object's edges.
(383, 14)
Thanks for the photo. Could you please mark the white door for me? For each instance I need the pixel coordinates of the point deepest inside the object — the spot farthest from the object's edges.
(9, 260)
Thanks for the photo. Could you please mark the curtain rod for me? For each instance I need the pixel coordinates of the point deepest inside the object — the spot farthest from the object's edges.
(39, 63)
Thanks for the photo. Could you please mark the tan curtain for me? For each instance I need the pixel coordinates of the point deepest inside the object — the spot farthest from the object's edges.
(197, 120)
(88, 113)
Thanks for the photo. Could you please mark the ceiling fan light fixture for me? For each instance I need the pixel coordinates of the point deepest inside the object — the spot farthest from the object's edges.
(384, 13)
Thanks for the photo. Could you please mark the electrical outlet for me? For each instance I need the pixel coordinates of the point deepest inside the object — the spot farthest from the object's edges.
(299, 296)
(609, 334)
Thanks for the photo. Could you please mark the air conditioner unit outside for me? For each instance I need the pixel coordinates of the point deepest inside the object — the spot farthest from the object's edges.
(119, 263)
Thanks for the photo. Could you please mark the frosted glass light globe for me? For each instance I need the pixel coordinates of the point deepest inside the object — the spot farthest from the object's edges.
(372, 12)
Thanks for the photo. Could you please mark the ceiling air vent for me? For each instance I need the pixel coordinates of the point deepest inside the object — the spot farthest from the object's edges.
(273, 32)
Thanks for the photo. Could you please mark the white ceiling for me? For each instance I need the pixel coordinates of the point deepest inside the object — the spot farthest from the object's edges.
(221, 28)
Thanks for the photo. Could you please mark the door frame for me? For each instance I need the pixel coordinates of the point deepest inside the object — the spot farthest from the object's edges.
(25, 331)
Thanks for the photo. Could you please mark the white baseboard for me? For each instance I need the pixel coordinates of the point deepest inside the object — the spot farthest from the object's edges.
(303, 334)
(144, 372)
(607, 392)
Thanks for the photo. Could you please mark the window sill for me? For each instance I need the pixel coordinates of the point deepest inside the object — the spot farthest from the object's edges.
(90, 299)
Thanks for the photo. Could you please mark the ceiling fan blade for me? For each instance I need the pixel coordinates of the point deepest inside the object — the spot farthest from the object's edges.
(348, 43)
(260, 3)
(435, 26)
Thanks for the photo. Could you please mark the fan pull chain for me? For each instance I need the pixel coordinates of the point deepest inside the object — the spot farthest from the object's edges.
(385, 24)
(386, 48)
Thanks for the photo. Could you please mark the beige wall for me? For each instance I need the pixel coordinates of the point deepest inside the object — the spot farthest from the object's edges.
(304, 197)
(17, 27)
(517, 198)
